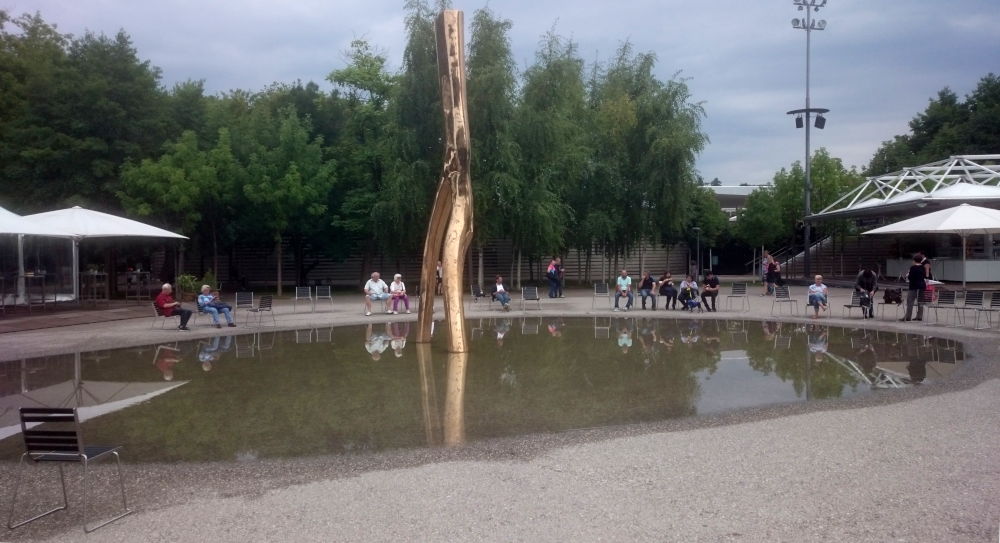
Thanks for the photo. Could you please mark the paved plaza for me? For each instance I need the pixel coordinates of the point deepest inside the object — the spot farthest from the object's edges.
(916, 464)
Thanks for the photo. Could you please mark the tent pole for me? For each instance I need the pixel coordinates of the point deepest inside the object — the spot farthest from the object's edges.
(963, 261)
(75, 272)
(20, 268)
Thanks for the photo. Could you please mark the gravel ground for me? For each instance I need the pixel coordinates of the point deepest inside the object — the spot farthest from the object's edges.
(920, 464)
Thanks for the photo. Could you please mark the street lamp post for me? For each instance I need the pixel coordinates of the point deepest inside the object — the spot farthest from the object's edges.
(697, 268)
(808, 24)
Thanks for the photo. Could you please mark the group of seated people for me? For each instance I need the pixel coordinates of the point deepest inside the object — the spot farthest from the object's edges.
(377, 291)
(208, 302)
(687, 292)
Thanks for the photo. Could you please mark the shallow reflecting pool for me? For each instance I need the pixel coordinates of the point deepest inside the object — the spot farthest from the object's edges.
(362, 388)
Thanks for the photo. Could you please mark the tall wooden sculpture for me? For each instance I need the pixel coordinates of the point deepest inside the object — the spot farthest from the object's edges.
(450, 230)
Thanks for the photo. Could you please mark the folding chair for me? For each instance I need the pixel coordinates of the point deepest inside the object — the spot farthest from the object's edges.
(601, 290)
(323, 293)
(781, 296)
(158, 314)
(303, 293)
(263, 305)
(994, 306)
(946, 300)
(855, 302)
(477, 292)
(739, 290)
(973, 302)
(244, 300)
(61, 441)
(530, 294)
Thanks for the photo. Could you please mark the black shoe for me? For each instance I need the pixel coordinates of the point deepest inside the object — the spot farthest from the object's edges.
(904, 320)
(185, 328)
(919, 319)
(218, 326)
(232, 325)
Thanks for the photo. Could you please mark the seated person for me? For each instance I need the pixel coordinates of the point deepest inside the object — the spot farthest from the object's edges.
(817, 295)
(397, 289)
(501, 294)
(668, 290)
(710, 289)
(647, 288)
(866, 285)
(170, 307)
(210, 303)
(375, 290)
(623, 288)
(688, 293)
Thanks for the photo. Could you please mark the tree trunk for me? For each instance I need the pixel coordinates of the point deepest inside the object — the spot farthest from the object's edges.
(277, 251)
(519, 268)
(215, 251)
(481, 274)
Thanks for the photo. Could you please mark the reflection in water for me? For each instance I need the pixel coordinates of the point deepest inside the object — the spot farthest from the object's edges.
(267, 395)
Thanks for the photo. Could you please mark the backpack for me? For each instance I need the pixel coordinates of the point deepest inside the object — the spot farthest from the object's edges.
(893, 296)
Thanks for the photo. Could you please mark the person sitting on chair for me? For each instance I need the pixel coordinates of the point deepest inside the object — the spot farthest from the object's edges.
(211, 304)
(501, 294)
(668, 290)
(688, 292)
(865, 285)
(710, 290)
(817, 295)
(170, 307)
(623, 288)
(375, 290)
(398, 291)
(647, 289)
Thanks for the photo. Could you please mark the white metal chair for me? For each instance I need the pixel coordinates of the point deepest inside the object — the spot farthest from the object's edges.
(323, 293)
(739, 290)
(530, 294)
(61, 441)
(303, 293)
(601, 290)
(262, 306)
(781, 297)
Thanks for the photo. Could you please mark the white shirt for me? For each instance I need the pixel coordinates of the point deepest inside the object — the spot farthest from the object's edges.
(376, 287)
(397, 286)
(500, 288)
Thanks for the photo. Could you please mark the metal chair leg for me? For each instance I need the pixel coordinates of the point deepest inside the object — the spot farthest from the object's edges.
(13, 500)
(86, 487)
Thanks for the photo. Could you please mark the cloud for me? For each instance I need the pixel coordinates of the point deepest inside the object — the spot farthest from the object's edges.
(875, 66)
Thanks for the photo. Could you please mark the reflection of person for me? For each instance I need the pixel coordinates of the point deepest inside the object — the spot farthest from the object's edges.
(771, 329)
(817, 295)
(917, 370)
(501, 293)
(166, 359)
(376, 342)
(211, 304)
(170, 307)
(375, 290)
(710, 290)
(867, 358)
(398, 291)
(693, 334)
(623, 288)
(625, 338)
(818, 340)
(211, 351)
(398, 331)
(502, 327)
(438, 274)
(555, 327)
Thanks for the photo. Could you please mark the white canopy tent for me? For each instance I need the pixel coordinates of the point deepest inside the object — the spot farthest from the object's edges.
(963, 220)
(86, 223)
(16, 225)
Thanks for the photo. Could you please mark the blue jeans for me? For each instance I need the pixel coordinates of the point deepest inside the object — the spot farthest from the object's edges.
(619, 294)
(816, 300)
(644, 293)
(213, 311)
(553, 288)
(503, 298)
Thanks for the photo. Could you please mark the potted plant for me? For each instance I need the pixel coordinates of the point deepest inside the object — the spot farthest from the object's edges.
(187, 287)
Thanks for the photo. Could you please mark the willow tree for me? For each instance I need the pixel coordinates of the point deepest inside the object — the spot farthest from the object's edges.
(491, 94)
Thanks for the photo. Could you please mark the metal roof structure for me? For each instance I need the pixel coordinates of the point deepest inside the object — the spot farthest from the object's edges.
(972, 179)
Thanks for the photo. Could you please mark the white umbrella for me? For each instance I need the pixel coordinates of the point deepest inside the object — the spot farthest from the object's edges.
(962, 220)
(14, 224)
(86, 223)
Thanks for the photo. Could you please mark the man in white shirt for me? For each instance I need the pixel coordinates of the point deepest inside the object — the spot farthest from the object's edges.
(623, 288)
(375, 289)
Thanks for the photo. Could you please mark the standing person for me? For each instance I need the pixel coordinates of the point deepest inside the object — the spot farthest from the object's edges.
(769, 273)
(647, 288)
(398, 292)
(438, 274)
(375, 290)
(561, 273)
(710, 289)
(211, 304)
(501, 294)
(552, 274)
(866, 284)
(170, 307)
(623, 288)
(926, 263)
(917, 282)
(818, 295)
(668, 290)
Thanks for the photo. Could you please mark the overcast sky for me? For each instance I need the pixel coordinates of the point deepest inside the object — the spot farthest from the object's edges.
(875, 66)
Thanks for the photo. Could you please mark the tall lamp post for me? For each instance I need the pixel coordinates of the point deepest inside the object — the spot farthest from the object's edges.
(697, 269)
(808, 24)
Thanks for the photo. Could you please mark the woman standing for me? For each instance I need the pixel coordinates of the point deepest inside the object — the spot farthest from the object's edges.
(770, 273)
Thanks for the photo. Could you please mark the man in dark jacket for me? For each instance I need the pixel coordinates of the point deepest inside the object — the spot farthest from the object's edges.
(866, 284)
(917, 284)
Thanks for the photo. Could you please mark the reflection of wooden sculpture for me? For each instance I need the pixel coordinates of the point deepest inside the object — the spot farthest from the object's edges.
(450, 230)
(448, 429)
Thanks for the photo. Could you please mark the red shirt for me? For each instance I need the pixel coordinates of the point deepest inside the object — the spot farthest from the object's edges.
(162, 300)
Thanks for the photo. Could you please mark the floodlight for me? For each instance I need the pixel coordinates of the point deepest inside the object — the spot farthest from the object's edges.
(798, 121)
(820, 122)
(796, 23)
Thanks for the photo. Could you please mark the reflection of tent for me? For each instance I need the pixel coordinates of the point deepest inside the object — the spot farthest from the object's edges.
(86, 223)
(94, 398)
(962, 220)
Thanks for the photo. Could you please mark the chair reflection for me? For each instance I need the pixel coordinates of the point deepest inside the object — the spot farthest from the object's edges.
(245, 346)
(323, 335)
(530, 326)
(303, 336)
(602, 327)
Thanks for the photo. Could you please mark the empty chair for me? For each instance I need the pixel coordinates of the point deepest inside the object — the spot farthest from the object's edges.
(262, 306)
(601, 290)
(303, 293)
(973, 302)
(324, 293)
(244, 300)
(739, 290)
(988, 311)
(477, 292)
(304, 336)
(781, 296)
(946, 300)
(529, 294)
(55, 436)
(855, 302)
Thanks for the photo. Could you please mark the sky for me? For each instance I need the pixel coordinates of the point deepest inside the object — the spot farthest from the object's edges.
(875, 66)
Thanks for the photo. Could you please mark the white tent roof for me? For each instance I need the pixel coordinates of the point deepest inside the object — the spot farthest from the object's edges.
(12, 223)
(963, 220)
(87, 223)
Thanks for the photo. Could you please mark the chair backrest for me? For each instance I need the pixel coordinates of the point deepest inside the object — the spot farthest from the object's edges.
(946, 297)
(781, 292)
(157, 310)
(201, 306)
(265, 303)
(601, 289)
(995, 300)
(60, 433)
(529, 293)
(323, 292)
(477, 291)
(244, 300)
(855, 298)
(303, 293)
(974, 298)
(739, 289)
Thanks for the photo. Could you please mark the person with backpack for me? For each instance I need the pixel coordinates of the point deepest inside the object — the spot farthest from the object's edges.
(866, 284)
